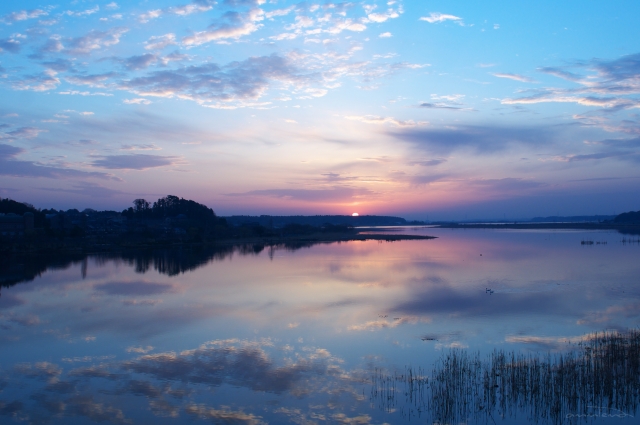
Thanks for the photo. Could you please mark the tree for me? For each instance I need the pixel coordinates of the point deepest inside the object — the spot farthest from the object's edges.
(141, 206)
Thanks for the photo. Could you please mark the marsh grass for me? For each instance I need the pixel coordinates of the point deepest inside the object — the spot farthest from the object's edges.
(596, 377)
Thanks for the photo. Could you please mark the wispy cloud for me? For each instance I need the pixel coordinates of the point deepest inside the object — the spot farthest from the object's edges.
(374, 119)
(233, 27)
(84, 45)
(384, 16)
(160, 42)
(137, 101)
(89, 190)
(387, 323)
(435, 17)
(478, 139)
(515, 77)
(610, 84)
(22, 133)
(24, 15)
(335, 194)
(134, 161)
(11, 166)
(85, 12)
(197, 6)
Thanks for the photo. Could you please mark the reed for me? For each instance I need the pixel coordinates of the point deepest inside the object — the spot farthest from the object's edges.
(598, 376)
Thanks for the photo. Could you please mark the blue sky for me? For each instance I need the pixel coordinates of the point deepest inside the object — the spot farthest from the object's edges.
(421, 109)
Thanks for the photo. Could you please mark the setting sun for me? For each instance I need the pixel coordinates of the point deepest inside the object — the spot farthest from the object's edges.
(355, 215)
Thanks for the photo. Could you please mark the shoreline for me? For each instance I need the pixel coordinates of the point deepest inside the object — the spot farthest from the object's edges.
(93, 245)
(622, 228)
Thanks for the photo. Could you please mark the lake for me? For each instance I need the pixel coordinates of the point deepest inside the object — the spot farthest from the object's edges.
(476, 326)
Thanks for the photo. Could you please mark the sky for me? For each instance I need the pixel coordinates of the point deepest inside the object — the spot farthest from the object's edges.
(422, 109)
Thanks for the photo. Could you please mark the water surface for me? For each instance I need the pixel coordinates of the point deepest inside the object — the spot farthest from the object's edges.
(317, 334)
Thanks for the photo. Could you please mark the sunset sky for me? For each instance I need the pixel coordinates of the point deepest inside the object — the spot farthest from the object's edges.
(423, 109)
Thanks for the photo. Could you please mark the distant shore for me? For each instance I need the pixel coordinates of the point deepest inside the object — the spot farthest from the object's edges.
(622, 228)
(89, 245)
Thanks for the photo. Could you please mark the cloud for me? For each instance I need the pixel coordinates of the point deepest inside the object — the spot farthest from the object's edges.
(173, 57)
(383, 17)
(333, 194)
(148, 147)
(374, 119)
(92, 80)
(42, 370)
(545, 343)
(610, 84)
(93, 40)
(84, 93)
(139, 288)
(508, 184)
(590, 157)
(621, 149)
(384, 324)
(137, 101)
(233, 26)
(559, 96)
(10, 166)
(440, 105)
(243, 3)
(238, 363)
(86, 12)
(10, 45)
(151, 14)
(83, 405)
(561, 73)
(59, 65)
(428, 162)
(196, 6)
(23, 15)
(224, 415)
(515, 77)
(89, 190)
(385, 35)
(435, 17)
(479, 139)
(23, 133)
(279, 12)
(449, 302)
(160, 42)
(134, 161)
(44, 81)
(145, 302)
(135, 63)
(237, 81)
(29, 320)
(140, 350)
(347, 24)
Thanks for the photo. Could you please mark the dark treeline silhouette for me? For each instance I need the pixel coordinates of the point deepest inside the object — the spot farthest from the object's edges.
(572, 219)
(598, 378)
(170, 206)
(171, 262)
(628, 217)
(9, 206)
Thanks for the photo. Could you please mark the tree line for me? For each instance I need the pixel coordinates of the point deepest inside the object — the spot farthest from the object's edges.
(170, 206)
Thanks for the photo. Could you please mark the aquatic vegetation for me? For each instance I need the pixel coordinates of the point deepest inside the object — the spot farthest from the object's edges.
(597, 377)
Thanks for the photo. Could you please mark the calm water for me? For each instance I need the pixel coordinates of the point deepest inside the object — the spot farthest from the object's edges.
(321, 334)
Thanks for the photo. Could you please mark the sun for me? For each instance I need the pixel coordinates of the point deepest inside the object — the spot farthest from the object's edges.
(355, 215)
